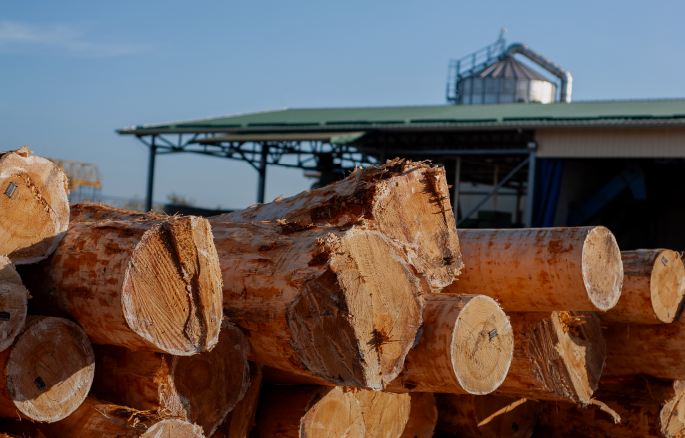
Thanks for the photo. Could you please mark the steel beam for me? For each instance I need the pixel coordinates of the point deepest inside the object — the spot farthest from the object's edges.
(530, 190)
(261, 185)
(150, 174)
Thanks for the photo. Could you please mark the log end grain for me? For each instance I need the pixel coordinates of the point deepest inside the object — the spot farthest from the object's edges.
(385, 414)
(173, 428)
(375, 312)
(34, 209)
(240, 421)
(13, 303)
(560, 356)
(672, 415)
(667, 285)
(414, 208)
(422, 417)
(172, 293)
(487, 416)
(50, 369)
(482, 346)
(308, 411)
(602, 268)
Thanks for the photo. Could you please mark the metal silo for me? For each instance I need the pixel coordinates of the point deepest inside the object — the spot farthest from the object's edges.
(492, 75)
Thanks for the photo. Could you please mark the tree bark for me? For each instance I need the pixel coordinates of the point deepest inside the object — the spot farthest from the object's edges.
(96, 419)
(13, 303)
(423, 416)
(542, 269)
(385, 414)
(488, 416)
(466, 347)
(335, 303)
(653, 287)
(636, 400)
(308, 412)
(407, 202)
(200, 389)
(144, 282)
(241, 420)
(655, 350)
(34, 208)
(557, 356)
(47, 372)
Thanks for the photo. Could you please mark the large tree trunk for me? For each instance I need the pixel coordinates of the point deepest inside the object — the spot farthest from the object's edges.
(638, 401)
(201, 389)
(34, 208)
(308, 412)
(385, 414)
(466, 347)
(241, 420)
(655, 350)
(13, 303)
(144, 282)
(422, 417)
(468, 416)
(47, 372)
(96, 419)
(335, 303)
(407, 202)
(545, 269)
(557, 356)
(653, 287)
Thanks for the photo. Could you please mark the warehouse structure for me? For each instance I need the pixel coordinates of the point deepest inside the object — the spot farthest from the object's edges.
(517, 150)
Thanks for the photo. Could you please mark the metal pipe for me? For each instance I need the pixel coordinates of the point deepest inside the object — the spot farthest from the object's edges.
(547, 64)
(530, 191)
(150, 174)
(261, 186)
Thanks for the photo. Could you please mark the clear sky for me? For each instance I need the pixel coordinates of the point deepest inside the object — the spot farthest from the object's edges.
(71, 72)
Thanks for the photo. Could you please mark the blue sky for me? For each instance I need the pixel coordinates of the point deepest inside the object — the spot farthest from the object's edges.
(72, 72)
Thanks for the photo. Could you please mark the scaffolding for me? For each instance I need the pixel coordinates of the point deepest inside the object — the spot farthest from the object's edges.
(85, 181)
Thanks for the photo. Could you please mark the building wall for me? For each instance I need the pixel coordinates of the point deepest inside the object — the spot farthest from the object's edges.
(611, 143)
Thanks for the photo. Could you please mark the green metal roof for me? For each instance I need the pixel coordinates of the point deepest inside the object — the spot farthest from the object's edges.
(532, 115)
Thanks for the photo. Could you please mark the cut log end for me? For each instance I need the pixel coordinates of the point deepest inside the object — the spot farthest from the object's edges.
(666, 285)
(50, 369)
(482, 346)
(172, 294)
(422, 417)
(673, 413)
(602, 268)
(173, 428)
(13, 303)
(364, 344)
(34, 209)
(385, 414)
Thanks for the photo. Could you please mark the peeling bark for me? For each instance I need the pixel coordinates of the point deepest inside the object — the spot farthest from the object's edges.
(542, 269)
(144, 282)
(407, 202)
(34, 208)
(47, 372)
(337, 304)
(466, 347)
(653, 287)
(557, 356)
(200, 389)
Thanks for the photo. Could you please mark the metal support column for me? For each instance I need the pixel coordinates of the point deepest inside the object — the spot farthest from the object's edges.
(150, 174)
(530, 190)
(457, 180)
(261, 186)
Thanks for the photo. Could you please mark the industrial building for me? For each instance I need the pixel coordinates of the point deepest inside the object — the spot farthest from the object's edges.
(519, 151)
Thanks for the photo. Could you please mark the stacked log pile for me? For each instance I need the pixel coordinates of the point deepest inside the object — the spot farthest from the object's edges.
(354, 310)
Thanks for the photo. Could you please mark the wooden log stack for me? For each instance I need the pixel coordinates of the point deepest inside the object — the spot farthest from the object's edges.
(354, 310)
